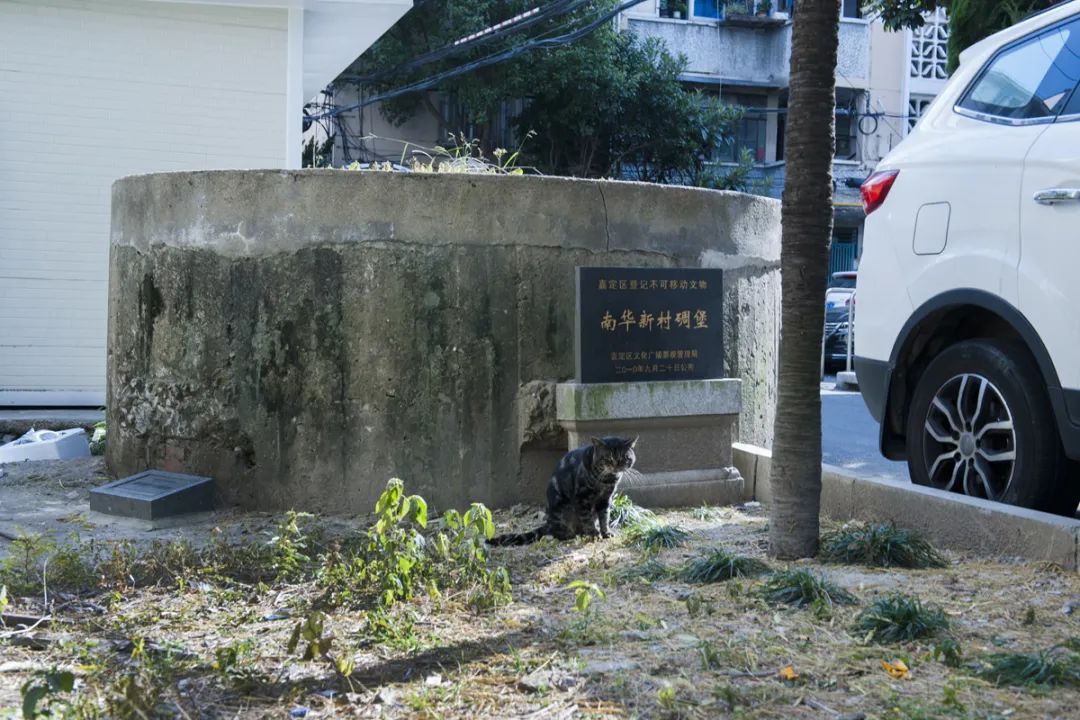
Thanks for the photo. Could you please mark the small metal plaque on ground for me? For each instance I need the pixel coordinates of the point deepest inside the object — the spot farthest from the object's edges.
(638, 324)
(154, 494)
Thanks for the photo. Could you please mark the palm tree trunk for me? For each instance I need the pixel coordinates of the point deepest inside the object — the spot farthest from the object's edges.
(804, 250)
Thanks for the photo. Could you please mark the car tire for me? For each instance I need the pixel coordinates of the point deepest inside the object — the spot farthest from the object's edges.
(980, 423)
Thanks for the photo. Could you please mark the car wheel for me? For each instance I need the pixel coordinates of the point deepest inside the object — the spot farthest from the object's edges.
(980, 423)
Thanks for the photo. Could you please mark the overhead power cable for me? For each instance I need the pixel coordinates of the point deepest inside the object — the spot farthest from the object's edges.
(483, 37)
(487, 61)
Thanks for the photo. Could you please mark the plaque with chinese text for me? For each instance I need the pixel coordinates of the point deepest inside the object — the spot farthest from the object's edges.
(638, 324)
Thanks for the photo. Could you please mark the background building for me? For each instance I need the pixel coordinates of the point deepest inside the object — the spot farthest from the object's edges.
(93, 91)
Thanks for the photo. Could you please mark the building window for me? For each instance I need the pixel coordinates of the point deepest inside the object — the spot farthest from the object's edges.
(708, 9)
(847, 116)
(675, 9)
(930, 47)
(749, 131)
(916, 107)
(852, 9)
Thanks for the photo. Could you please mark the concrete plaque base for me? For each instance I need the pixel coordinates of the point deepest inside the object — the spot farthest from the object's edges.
(685, 429)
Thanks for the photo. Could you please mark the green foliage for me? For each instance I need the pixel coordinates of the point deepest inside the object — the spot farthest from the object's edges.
(608, 103)
(232, 664)
(98, 439)
(803, 588)
(584, 594)
(652, 536)
(583, 629)
(879, 545)
(22, 571)
(650, 570)
(969, 20)
(1058, 666)
(48, 695)
(3, 601)
(310, 637)
(948, 652)
(287, 546)
(898, 618)
(394, 560)
(719, 564)
(623, 512)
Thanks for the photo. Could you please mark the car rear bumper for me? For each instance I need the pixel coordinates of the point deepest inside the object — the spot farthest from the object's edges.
(873, 384)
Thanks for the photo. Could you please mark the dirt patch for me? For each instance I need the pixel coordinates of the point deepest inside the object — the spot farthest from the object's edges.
(649, 648)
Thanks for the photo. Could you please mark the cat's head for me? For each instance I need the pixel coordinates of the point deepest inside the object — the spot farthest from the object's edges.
(612, 456)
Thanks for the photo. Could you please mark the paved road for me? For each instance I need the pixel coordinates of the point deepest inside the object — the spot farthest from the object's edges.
(850, 435)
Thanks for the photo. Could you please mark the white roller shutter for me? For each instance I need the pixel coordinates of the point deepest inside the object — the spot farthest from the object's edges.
(90, 91)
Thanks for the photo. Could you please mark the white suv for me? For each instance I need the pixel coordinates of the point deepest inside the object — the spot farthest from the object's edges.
(969, 284)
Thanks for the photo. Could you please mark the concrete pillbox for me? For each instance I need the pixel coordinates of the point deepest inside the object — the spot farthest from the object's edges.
(685, 429)
(154, 494)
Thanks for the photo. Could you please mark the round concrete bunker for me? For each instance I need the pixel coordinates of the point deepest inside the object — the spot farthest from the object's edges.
(303, 336)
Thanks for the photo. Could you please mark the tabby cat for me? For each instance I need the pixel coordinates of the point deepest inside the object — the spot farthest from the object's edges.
(579, 492)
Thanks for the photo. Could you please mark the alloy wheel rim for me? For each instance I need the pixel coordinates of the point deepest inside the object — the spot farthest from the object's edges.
(969, 438)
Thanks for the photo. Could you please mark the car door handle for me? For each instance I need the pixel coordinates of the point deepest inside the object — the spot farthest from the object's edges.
(1050, 196)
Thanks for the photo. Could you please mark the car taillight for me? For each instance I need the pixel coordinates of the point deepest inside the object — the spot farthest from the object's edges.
(875, 189)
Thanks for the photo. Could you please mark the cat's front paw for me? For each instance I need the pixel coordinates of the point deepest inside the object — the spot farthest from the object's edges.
(606, 535)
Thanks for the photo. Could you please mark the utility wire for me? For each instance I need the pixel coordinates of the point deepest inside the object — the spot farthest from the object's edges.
(489, 60)
(483, 37)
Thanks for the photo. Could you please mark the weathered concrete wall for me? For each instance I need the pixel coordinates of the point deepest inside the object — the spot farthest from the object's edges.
(304, 336)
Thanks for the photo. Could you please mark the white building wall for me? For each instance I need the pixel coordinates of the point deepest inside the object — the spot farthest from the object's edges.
(90, 92)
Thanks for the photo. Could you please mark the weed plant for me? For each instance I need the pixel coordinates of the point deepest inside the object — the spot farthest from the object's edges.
(879, 545)
(803, 588)
(653, 537)
(718, 565)
(900, 618)
(1058, 666)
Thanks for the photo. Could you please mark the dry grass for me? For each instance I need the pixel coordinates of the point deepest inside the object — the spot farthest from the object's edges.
(654, 647)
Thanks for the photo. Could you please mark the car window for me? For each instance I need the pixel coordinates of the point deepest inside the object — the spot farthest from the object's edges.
(1030, 80)
(1073, 106)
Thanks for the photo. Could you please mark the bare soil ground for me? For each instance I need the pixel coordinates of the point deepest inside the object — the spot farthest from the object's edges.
(649, 649)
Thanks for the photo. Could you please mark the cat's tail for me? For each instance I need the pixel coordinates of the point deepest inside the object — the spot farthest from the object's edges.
(526, 538)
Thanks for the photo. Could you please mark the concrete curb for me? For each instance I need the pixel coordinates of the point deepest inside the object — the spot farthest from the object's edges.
(957, 522)
(685, 488)
(17, 422)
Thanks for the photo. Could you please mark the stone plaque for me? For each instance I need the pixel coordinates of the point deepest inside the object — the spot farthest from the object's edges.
(154, 494)
(637, 324)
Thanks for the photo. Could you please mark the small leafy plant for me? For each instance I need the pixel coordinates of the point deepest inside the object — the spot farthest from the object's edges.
(288, 545)
(899, 618)
(718, 565)
(48, 695)
(879, 545)
(803, 588)
(586, 594)
(98, 440)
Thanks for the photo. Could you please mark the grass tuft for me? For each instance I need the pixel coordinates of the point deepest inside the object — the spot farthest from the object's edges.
(803, 588)
(624, 513)
(653, 537)
(879, 545)
(1057, 666)
(898, 618)
(650, 570)
(718, 565)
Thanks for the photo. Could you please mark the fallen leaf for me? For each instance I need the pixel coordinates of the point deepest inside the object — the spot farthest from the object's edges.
(898, 669)
(788, 673)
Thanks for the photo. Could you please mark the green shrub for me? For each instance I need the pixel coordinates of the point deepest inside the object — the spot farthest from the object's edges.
(1057, 666)
(624, 513)
(718, 565)
(653, 537)
(803, 588)
(878, 545)
(899, 618)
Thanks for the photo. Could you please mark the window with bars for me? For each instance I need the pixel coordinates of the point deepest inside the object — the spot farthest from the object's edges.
(749, 132)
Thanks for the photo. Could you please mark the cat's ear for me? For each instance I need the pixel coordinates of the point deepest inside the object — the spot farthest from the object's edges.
(633, 442)
(598, 443)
